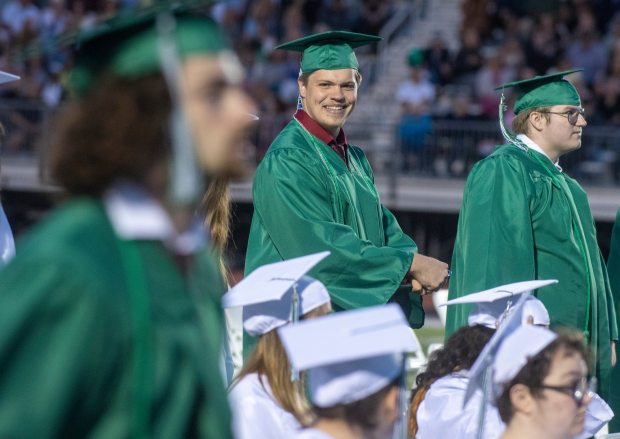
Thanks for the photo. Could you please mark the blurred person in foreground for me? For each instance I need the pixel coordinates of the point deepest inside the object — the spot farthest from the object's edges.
(542, 384)
(314, 191)
(356, 383)
(7, 242)
(522, 218)
(110, 317)
(267, 401)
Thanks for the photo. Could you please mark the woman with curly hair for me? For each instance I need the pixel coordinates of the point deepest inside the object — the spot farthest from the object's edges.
(441, 388)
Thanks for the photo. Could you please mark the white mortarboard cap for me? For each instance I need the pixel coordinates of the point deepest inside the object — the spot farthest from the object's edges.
(535, 309)
(260, 318)
(7, 77)
(274, 294)
(271, 281)
(477, 372)
(349, 355)
(492, 304)
(598, 413)
(514, 351)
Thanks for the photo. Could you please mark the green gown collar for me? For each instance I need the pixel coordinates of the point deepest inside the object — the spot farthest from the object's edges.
(533, 146)
(136, 215)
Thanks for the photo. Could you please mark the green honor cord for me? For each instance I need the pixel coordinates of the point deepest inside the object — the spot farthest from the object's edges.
(141, 333)
(318, 145)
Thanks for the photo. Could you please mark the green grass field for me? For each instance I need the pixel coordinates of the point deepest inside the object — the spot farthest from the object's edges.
(428, 335)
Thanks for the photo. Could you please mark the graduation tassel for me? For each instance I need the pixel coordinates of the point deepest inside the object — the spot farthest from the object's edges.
(486, 389)
(505, 133)
(295, 318)
(300, 104)
(400, 428)
(187, 181)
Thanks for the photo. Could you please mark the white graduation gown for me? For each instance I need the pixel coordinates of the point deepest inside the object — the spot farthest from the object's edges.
(442, 411)
(256, 414)
(598, 413)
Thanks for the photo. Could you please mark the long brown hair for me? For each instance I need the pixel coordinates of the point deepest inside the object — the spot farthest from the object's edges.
(216, 208)
(119, 132)
(269, 361)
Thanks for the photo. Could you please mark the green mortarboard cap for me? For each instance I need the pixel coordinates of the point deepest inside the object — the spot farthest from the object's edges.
(331, 50)
(415, 57)
(544, 91)
(127, 45)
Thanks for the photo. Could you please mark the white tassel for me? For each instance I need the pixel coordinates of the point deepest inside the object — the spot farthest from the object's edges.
(505, 133)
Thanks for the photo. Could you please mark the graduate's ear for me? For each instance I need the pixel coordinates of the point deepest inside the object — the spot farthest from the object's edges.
(301, 83)
(358, 78)
(537, 120)
(521, 399)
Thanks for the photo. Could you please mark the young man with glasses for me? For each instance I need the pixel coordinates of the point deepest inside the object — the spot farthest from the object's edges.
(522, 217)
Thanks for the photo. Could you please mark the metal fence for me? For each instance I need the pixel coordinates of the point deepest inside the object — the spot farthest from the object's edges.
(449, 148)
(444, 149)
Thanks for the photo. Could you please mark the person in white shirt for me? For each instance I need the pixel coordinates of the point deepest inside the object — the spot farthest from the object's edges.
(267, 403)
(356, 381)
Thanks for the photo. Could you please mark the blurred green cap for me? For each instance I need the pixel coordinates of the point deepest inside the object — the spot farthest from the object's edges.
(128, 44)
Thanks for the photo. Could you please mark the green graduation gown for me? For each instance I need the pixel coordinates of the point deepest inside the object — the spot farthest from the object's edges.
(68, 337)
(516, 223)
(613, 268)
(307, 200)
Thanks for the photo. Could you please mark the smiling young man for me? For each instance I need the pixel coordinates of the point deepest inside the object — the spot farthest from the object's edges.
(314, 191)
(523, 218)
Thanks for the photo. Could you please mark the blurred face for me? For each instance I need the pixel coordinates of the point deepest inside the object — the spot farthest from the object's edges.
(388, 414)
(218, 111)
(559, 135)
(329, 97)
(556, 411)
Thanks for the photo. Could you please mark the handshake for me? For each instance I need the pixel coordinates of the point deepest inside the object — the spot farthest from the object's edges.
(428, 274)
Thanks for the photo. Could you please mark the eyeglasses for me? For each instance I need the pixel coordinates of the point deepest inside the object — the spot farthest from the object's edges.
(572, 115)
(578, 391)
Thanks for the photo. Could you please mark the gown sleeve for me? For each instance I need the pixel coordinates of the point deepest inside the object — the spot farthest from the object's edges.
(613, 270)
(295, 205)
(494, 243)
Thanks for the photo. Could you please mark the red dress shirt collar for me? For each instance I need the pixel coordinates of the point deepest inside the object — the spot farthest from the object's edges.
(339, 144)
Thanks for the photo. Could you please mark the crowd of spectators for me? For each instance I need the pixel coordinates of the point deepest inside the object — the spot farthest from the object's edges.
(500, 41)
(508, 40)
(254, 26)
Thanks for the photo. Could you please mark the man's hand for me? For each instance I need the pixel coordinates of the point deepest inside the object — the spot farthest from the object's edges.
(428, 274)
(613, 353)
